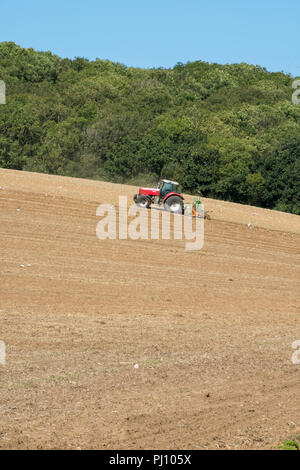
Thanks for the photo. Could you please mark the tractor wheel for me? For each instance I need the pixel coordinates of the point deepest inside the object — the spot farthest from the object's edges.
(143, 201)
(174, 204)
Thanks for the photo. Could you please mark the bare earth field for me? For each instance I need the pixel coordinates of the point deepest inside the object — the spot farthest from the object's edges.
(211, 330)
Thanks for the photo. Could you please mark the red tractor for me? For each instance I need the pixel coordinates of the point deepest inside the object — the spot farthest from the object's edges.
(166, 194)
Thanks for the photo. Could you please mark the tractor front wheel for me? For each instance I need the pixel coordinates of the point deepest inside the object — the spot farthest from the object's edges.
(143, 201)
(174, 204)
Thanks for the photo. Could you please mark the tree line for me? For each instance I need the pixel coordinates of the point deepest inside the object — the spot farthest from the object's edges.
(224, 131)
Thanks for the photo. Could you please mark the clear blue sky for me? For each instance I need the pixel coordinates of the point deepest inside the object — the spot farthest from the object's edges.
(153, 33)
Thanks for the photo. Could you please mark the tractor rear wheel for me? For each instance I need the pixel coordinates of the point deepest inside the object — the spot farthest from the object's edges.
(143, 201)
(174, 204)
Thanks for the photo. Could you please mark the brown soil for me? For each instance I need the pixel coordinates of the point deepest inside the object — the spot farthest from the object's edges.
(210, 330)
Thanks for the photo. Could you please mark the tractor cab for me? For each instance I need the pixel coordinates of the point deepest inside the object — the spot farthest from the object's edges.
(166, 187)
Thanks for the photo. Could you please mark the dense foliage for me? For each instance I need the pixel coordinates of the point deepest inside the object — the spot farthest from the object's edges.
(224, 131)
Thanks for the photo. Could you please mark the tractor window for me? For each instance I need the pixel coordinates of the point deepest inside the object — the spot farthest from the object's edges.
(166, 188)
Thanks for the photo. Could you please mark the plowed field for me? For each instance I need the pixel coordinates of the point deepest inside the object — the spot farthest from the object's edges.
(127, 344)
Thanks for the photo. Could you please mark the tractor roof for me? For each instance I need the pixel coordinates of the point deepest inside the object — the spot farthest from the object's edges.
(168, 181)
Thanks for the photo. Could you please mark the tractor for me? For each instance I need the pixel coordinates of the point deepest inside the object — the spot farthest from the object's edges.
(166, 194)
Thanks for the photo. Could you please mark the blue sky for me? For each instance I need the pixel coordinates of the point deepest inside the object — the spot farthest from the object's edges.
(153, 33)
